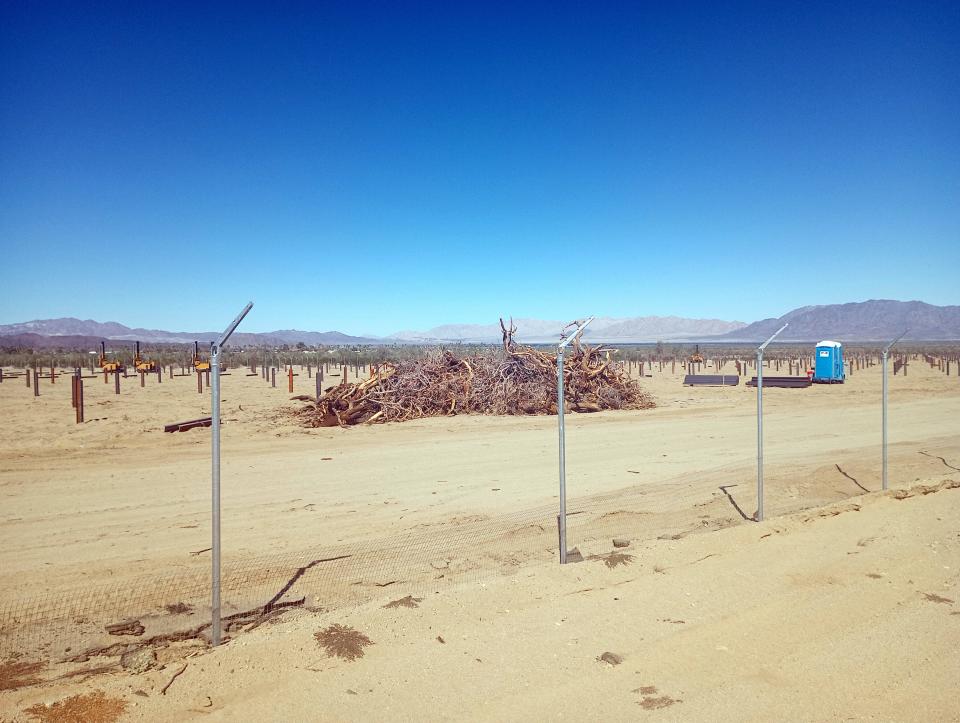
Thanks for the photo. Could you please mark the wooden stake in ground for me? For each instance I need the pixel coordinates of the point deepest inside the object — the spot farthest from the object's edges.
(79, 400)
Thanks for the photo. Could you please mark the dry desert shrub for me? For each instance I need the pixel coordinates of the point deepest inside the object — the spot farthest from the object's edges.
(93, 707)
(342, 641)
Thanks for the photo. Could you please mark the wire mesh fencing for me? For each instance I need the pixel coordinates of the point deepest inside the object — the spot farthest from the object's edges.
(76, 622)
(104, 618)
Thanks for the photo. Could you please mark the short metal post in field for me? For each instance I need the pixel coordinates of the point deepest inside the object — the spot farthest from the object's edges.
(116, 382)
(36, 383)
(273, 376)
(760, 421)
(886, 350)
(215, 468)
(562, 520)
(79, 400)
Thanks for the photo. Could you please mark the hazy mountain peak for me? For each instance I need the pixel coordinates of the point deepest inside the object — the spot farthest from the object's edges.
(872, 320)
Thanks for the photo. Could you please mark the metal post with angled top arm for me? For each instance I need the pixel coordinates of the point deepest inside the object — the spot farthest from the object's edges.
(562, 520)
(886, 350)
(760, 421)
(215, 450)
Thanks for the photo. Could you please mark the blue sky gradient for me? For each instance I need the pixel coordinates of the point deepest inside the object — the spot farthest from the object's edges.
(377, 167)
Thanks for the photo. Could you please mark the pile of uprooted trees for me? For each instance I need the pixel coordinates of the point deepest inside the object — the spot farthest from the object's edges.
(515, 380)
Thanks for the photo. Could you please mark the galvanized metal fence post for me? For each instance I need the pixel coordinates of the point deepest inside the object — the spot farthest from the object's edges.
(759, 435)
(886, 350)
(215, 490)
(215, 631)
(760, 422)
(884, 436)
(562, 519)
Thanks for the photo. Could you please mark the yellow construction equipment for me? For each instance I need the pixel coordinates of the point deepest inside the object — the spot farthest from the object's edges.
(199, 364)
(141, 365)
(696, 357)
(108, 366)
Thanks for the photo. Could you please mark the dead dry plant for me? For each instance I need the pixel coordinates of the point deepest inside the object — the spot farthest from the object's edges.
(342, 641)
(513, 381)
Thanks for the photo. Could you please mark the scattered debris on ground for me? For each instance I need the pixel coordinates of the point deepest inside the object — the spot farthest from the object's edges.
(93, 707)
(342, 641)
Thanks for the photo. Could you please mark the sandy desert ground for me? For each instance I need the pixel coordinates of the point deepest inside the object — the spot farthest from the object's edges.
(842, 604)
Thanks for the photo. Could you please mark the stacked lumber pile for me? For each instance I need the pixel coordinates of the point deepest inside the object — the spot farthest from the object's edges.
(515, 380)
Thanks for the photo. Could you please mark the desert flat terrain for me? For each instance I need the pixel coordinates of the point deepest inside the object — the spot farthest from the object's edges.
(804, 616)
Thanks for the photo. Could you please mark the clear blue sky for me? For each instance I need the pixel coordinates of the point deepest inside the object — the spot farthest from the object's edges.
(370, 168)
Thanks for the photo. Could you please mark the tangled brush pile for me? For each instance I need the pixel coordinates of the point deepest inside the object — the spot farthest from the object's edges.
(517, 380)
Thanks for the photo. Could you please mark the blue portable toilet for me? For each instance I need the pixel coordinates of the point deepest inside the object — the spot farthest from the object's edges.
(828, 364)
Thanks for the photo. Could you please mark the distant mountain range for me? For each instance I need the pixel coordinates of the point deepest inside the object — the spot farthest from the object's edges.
(873, 320)
(75, 332)
(80, 333)
(640, 328)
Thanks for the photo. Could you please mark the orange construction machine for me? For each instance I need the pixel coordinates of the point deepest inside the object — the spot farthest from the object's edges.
(199, 364)
(141, 365)
(108, 366)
